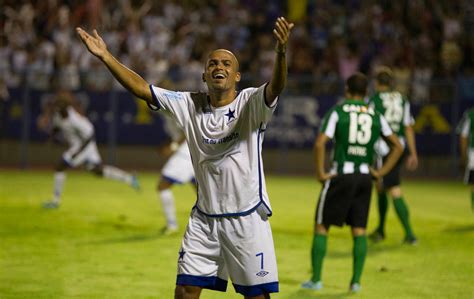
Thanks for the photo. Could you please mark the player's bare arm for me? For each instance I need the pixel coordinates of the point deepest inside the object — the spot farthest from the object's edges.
(278, 81)
(320, 155)
(128, 78)
(412, 160)
(396, 150)
(463, 143)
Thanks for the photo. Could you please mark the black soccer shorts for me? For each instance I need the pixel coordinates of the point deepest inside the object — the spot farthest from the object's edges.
(345, 199)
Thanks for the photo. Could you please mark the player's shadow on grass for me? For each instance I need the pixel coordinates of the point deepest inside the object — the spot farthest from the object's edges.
(308, 294)
(373, 250)
(127, 239)
(460, 229)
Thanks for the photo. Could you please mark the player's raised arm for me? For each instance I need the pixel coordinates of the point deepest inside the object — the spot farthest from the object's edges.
(278, 81)
(128, 78)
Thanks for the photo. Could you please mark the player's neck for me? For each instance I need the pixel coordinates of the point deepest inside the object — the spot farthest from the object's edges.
(384, 88)
(222, 98)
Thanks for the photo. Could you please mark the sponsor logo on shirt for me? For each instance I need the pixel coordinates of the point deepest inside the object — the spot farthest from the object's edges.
(228, 138)
(173, 96)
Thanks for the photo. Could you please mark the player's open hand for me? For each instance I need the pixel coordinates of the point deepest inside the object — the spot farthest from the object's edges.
(412, 162)
(282, 33)
(323, 177)
(94, 43)
(376, 175)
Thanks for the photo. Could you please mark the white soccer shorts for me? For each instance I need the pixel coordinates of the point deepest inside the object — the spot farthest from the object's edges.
(240, 247)
(89, 156)
(179, 168)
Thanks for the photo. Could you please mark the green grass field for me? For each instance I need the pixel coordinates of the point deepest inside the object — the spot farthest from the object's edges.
(104, 241)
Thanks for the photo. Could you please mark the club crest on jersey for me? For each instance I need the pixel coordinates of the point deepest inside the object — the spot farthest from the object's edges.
(230, 115)
(262, 273)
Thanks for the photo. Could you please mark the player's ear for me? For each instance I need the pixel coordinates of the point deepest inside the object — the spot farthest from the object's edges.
(237, 77)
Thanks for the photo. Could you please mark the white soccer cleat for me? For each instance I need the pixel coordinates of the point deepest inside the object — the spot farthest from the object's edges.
(311, 285)
(169, 230)
(50, 205)
(355, 288)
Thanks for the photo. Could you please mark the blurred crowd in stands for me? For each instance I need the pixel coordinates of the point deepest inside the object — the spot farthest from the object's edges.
(429, 44)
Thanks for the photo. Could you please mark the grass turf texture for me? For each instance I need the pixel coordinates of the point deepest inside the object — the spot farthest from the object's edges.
(104, 241)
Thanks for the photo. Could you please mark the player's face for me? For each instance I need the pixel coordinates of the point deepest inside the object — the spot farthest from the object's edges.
(221, 71)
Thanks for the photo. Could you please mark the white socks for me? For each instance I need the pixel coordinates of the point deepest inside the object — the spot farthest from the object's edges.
(167, 200)
(114, 173)
(59, 178)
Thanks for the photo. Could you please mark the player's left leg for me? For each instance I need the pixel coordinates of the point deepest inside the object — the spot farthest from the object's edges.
(58, 185)
(187, 292)
(116, 174)
(357, 219)
(403, 214)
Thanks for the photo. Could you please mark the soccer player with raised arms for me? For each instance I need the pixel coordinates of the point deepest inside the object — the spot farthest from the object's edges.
(228, 234)
(345, 197)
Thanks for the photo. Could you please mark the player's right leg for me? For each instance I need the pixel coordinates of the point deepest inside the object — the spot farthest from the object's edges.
(382, 203)
(200, 262)
(318, 252)
(187, 292)
(58, 184)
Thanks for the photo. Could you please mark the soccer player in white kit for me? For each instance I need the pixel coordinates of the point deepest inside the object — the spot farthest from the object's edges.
(61, 117)
(178, 169)
(228, 234)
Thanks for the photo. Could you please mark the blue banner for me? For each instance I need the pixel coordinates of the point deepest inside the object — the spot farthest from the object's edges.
(122, 119)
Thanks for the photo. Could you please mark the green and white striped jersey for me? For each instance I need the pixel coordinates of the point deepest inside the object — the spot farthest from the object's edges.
(396, 110)
(355, 128)
(466, 126)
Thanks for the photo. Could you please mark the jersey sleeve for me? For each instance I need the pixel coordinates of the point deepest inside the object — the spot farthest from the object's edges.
(329, 123)
(464, 126)
(384, 126)
(174, 103)
(262, 112)
(408, 119)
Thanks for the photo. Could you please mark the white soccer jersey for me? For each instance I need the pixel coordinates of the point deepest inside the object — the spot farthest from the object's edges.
(75, 127)
(225, 145)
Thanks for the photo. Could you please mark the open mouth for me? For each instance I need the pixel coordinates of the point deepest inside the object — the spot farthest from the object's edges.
(218, 76)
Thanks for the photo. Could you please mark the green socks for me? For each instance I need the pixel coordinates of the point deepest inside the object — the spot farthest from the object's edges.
(359, 252)
(383, 207)
(318, 252)
(402, 212)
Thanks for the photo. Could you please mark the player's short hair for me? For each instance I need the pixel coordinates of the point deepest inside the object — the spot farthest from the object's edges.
(384, 76)
(357, 84)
